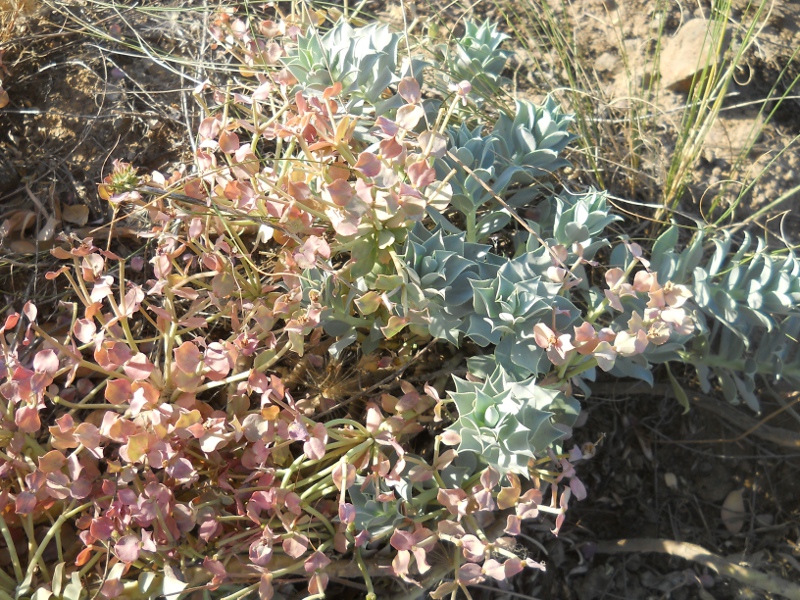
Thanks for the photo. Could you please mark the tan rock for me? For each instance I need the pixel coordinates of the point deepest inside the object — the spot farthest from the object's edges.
(606, 63)
(688, 52)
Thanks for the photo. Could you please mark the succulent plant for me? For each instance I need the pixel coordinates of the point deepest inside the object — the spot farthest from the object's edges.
(570, 219)
(750, 301)
(507, 423)
(518, 150)
(373, 515)
(444, 266)
(529, 144)
(364, 60)
(477, 58)
(580, 219)
(473, 160)
(507, 307)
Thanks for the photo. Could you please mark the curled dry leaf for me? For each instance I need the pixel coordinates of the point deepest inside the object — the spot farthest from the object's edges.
(48, 230)
(733, 511)
(18, 220)
(76, 214)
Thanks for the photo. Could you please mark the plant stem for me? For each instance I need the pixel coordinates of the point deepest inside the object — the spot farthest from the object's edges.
(365, 572)
(12, 549)
(242, 593)
(471, 219)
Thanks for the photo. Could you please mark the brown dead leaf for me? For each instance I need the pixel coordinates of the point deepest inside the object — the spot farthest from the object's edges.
(77, 214)
(4, 100)
(17, 221)
(22, 247)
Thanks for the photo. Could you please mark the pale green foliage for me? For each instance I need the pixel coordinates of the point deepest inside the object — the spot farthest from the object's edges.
(444, 266)
(493, 300)
(740, 289)
(507, 307)
(506, 422)
(569, 220)
(750, 310)
(517, 151)
(364, 60)
(373, 515)
(529, 144)
(474, 163)
(580, 218)
(339, 317)
(477, 58)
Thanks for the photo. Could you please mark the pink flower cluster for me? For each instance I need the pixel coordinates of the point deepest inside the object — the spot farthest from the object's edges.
(664, 314)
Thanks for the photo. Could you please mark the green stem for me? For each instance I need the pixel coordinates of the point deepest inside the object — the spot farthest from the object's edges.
(321, 517)
(317, 491)
(12, 549)
(449, 114)
(325, 472)
(365, 572)
(578, 369)
(425, 497)
(91, 563)
(243, 375)
(10, 583)
(34, 549)
(243, 592)
(471, 217)
(54, 529)
(169, 340)
(78, 406)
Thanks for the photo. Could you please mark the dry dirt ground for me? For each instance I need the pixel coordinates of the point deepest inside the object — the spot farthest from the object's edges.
(78, 101)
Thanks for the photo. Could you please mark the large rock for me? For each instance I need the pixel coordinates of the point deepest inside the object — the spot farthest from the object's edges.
(688, 52)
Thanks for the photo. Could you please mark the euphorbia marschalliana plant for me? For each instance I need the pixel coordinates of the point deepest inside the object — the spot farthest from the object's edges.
(166, 439)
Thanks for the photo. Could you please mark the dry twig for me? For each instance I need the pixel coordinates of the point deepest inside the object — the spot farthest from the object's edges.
(698, 554)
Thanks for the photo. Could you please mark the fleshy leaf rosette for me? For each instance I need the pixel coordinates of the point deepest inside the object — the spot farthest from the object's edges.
(749, 304)
(364, 59)
(528, 145)
(445, 265)
(473, 158)
(508, 307)
(507, 423)
(478, 59)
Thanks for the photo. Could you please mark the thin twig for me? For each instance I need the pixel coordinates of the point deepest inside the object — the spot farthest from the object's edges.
(698, 554)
